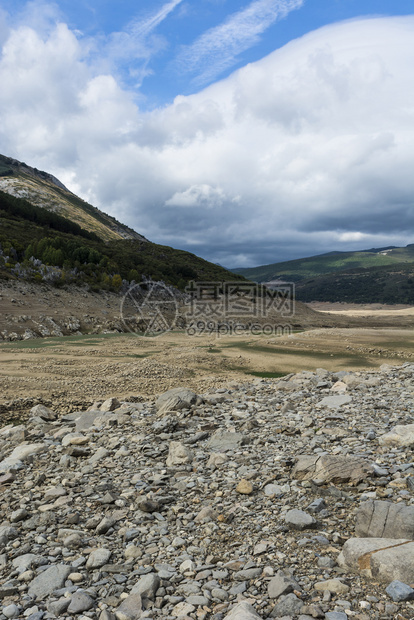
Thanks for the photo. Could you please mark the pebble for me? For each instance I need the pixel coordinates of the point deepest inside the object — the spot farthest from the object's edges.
(400, 591)
(209, 510)
(244, 487)
(11, 611)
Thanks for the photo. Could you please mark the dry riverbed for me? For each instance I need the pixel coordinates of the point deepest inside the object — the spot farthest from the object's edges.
(71, 372)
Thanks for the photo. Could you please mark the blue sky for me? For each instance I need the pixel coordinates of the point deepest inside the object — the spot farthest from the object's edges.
(176, 47)
(246, 132)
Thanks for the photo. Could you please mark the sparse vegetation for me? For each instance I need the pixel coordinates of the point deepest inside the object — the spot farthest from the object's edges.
(387, 285)
(378, 275)
(37, 244)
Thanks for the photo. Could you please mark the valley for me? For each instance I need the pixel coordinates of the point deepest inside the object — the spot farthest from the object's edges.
(72, 372)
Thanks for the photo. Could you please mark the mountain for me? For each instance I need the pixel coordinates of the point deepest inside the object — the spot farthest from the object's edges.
(48, 234)
(44, 190)
(377, 275)
(388, 284)
(331, 262)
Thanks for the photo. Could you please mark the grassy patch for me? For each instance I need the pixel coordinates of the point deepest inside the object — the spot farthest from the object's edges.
(52, 341)
(265, 375)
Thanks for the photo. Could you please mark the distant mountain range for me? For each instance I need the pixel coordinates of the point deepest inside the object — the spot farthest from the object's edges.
(377, 275)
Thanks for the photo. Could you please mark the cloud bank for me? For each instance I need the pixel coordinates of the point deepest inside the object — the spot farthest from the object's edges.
(308, 150)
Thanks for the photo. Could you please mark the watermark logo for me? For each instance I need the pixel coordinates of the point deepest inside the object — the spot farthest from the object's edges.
(149, 309)
(208, 308)
(234, 308)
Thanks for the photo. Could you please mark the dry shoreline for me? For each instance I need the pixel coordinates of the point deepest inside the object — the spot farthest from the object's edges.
(71, 372)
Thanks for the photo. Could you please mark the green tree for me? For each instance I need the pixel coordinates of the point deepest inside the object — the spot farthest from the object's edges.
(116, 281)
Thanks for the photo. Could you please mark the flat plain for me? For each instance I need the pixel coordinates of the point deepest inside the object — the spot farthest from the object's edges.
(73, 371)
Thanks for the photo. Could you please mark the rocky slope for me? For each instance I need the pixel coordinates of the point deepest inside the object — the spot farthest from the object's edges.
(284, 498)
(30, 310)
(44, 190)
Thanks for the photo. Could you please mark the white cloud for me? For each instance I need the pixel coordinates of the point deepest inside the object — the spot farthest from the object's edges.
(217, 49)
(305, 151)
(198, 196)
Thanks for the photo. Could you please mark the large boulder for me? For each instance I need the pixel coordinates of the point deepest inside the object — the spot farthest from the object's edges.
(383, 559)
(25, 451)
(147, 586)
(48, 581)
(176, 399)
(331, 468)
(40, 411)
(379, 519)
(401, 435)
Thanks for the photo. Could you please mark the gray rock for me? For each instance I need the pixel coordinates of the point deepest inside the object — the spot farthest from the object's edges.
(131, 607)
(110, 404)
(80, 601)
(288, 605)
(19, 515)
(247, 573)
(48, 581)
(238, 588)
(147, 586)
(282, 583)
(27, 560)
(379, 519)
(86, 420)
(326, 562)
(105, 525)
(333, 402)
(10, 465)
(336, 586)
(400, 591)
(98, 558)
(25, 451)
(58, 607)
(220, 594)
(43, 412)
(11, 611)
(330, 468)
(100, 454)
(197, 600)
(273, 489)
(38, 615)
(106, 615)
(216, 459)
(205, 515)
(178, 454)
(317, 506)
(7, 533)
(175, 400)
(336, 615)
(299, 520)
(242, 611)
(222, 441)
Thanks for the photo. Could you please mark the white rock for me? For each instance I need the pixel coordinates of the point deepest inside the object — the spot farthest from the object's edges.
(400, 435)
(178, 454)
(25, 451)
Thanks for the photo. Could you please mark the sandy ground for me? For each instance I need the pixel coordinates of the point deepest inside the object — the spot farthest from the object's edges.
(366, 310)
(72, 372)
(75, 371)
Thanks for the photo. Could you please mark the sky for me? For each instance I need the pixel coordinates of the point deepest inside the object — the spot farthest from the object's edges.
(247, 132)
